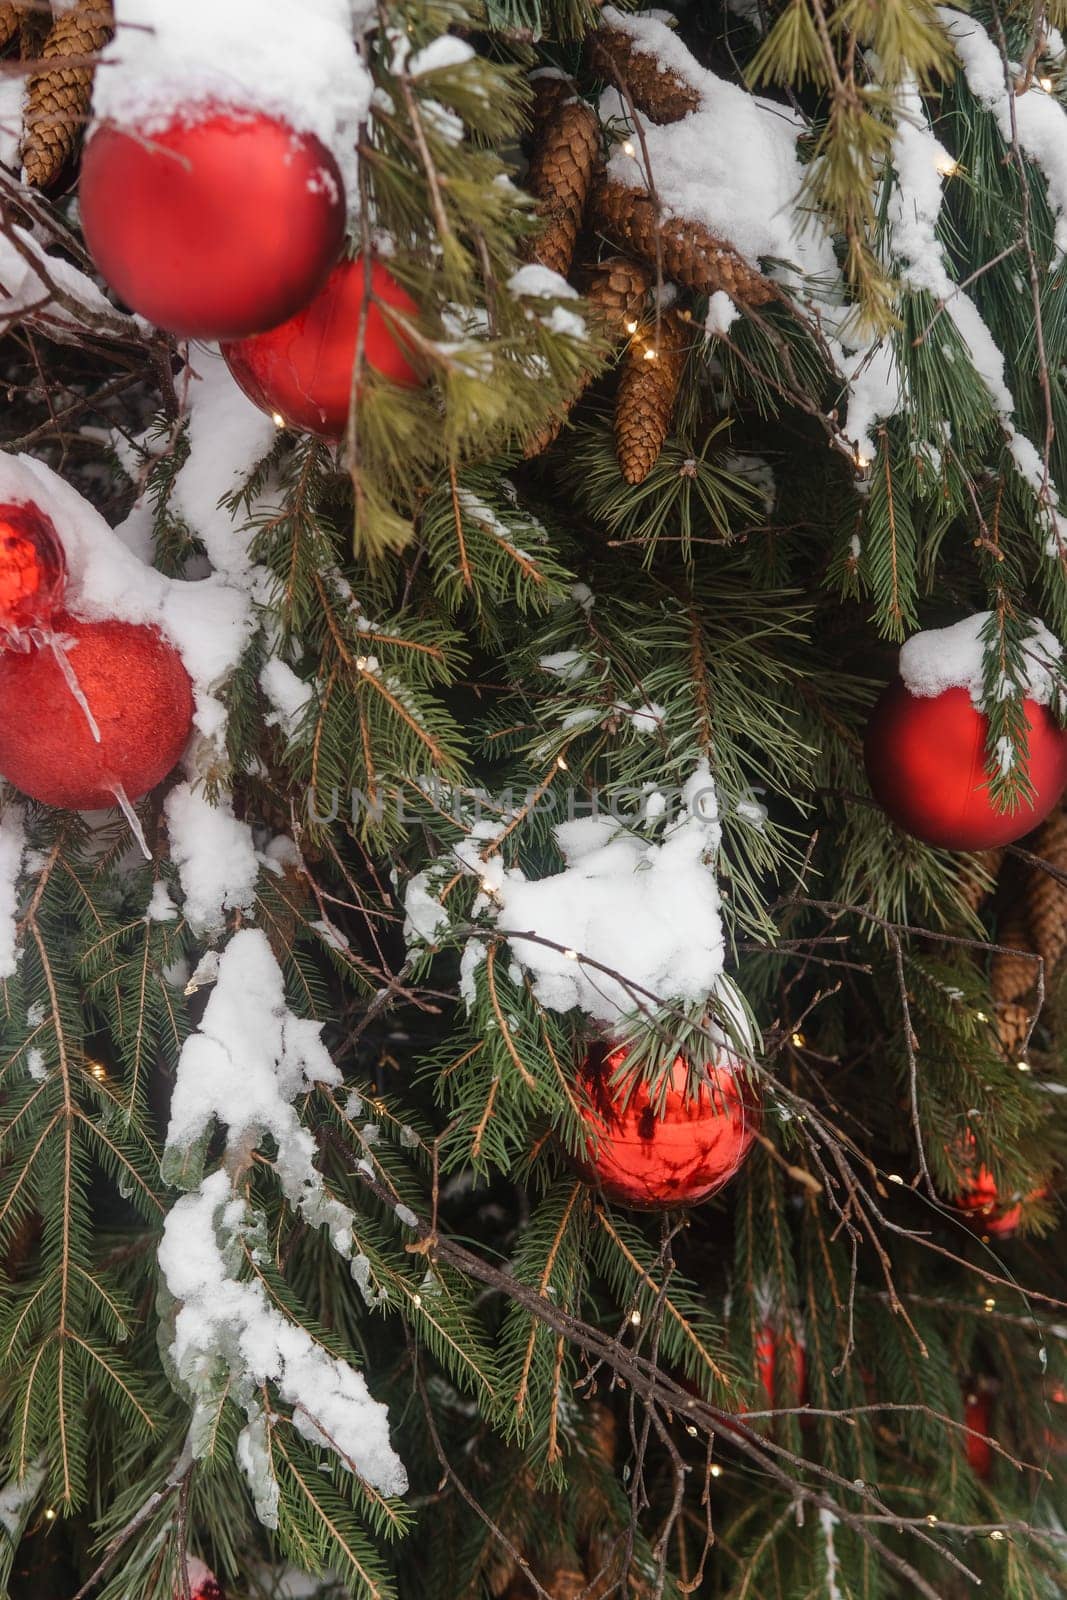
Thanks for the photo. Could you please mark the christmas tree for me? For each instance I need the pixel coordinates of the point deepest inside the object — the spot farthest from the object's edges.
(533, 863)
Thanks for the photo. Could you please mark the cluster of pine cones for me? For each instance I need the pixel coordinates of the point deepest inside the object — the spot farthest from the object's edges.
(577, 200)
(1032, 924)
(63, 51)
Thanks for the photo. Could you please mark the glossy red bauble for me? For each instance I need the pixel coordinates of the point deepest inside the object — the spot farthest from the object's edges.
(649, 1155)
(767, 1363)
(33, 569)
(983, 1208)
(978, 1416)
(302, 371)
(138, 692)
(926, 761)
(220, 224)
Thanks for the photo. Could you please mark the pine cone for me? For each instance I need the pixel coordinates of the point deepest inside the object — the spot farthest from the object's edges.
(978, 868)
(560, 176)
(58, 95)
(10, 22)
(657, 91)
(1013, 1025)
(1046, 897)
(648, 388)
(564, 1579)
(550, 88)
(692, 255)
(616, 292)
(1012, 975)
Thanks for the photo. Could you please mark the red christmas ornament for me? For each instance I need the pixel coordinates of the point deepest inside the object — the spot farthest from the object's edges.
(649, 1155)
(202, 1582)
(136, 692)
(220, 224)
(302, 371)
(926, 761)
(33, 570)
(978, 1416)
(985, 1211)
(984, 1208)
(767, 1362)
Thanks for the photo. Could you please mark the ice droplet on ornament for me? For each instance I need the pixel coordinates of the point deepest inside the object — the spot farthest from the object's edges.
(125, 805)
(59, 649)
(33, 571)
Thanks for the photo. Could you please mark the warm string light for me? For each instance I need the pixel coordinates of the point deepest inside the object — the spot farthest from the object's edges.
(716, 1471)
(1022, 1066)
(635, 1319)
(277, 419)
(798, 1041)
(947, 165)
(1046, 84)
(629, 148)
(98, 1070)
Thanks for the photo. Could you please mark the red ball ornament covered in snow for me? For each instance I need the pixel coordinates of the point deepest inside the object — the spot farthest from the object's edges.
(674, 1145)
(925, 747)
(302, 370)
(218, 224)
(202, 1582)
(118, 678)
(33, 570)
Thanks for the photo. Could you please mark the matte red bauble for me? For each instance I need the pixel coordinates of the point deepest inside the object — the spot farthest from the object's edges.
(978, 1415)
(136, 690)
(649, 1155)
(926, 761)
(220, 224)
(33, 569)
(302, 371)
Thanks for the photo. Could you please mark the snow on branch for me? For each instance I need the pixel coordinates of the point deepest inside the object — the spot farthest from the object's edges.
(242, 1069)
(226, 1331)
(629, 917)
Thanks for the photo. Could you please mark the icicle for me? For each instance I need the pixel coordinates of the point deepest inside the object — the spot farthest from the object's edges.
(56, 641)
(122, 800)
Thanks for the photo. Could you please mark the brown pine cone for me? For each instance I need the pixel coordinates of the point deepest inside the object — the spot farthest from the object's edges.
(9, 23)
(550, 88)
(692, 255)
(616, 292)
(648, 389)
(657, 91)
(1012, 975)
(1013, 1025)
(59, 93)
(978, 869)
(1046, 897)
(605, 1431)
(560, 177)
(564, 1578)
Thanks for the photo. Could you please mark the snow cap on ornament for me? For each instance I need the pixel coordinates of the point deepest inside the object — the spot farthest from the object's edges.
(926, 742)
(213, 180)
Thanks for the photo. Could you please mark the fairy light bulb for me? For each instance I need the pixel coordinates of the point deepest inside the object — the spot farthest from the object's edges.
(628, 147)
(947, 165)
